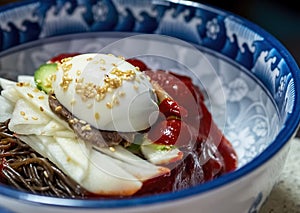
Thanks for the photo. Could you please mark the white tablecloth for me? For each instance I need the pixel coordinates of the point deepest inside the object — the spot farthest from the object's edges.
(285, 196)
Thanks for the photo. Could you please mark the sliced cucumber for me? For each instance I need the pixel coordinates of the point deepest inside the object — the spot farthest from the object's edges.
(43, 75)
(161, 154)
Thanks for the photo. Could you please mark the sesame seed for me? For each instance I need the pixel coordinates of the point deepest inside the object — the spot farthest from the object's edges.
(46, 174)
(124, 75)
(90, 105)
(58, 108)
(97, 116)
(66, 67)
(112, 149)
(135, 87)
(79, 80)
(122, 93)
(89, 59)
(48, 85)
(30, 95)
(66, 80)
(109, 105)
(115, 100)
(102, 61)
(21, 84)
(121, 57)
(82, 121)
(71, 121)
(22, 113)
(102, 68)
(113, 82)
(36, 90)
(79, 86)
(26, 118)
(99, 97)
(78, 72)
(66, 59)
(41, 109)
(79, 91)
(73, 101)
(102, 90)
(34, 118)
(53, 77)
(86, 128)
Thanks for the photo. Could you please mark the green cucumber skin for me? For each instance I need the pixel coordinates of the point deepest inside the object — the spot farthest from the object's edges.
(42, 76)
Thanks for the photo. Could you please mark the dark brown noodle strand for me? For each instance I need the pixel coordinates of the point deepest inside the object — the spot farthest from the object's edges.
(24, 169)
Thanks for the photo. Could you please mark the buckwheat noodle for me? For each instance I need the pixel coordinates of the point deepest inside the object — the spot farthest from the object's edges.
(26, 170)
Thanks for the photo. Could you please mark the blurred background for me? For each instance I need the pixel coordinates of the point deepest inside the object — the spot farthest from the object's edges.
(280, 18)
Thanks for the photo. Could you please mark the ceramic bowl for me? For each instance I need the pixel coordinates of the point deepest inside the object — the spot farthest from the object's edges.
(250, 79)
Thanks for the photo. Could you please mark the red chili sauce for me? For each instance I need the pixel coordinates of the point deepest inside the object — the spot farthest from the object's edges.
(196, 127)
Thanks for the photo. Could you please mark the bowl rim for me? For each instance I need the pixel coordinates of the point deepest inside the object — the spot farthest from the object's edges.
(283, 137)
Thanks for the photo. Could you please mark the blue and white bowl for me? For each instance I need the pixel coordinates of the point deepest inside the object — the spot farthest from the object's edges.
(250, 79)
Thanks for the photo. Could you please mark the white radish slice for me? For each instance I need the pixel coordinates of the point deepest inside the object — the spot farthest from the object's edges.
(5, 83)
(117, 172)
(38, 100)
(106, 177)
(137, 166)
(49, 148)
(6, 109)
(100, 175)
(11, 94)
(26, 78)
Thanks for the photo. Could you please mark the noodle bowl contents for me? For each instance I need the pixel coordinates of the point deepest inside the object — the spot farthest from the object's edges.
(25, 169)
(97, 125)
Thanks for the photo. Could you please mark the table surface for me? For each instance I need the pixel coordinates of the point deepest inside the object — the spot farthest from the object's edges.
(285, 196)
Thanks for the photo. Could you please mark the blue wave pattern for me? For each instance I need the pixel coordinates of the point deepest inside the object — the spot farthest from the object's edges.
(212, 29)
